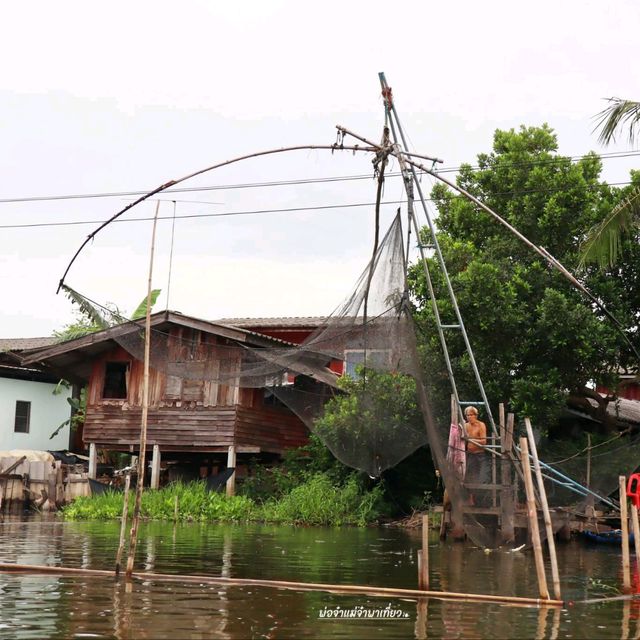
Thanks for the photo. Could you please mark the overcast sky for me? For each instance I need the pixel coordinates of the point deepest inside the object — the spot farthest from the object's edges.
(123, 96)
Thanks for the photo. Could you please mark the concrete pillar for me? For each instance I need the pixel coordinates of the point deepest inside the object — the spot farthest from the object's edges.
(231, 462)
(93, 461)
(155, 467)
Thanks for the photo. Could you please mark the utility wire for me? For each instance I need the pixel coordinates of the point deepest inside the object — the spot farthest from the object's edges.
(223, 214)
(278, 183)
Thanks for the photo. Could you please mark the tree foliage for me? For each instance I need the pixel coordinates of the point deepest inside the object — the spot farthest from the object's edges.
(534, 337)
(603, 244)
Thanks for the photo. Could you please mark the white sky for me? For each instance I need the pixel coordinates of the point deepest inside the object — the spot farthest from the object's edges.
(124, 96)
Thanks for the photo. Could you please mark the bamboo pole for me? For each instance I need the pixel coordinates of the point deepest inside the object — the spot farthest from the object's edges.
(375, 148)
(385, 592)
(145, 409)
(507, 528)
(555, 575)
(175, 508)
(123, 523)
(636, 532)
(624, 526)
(533, 519)
(424, 569)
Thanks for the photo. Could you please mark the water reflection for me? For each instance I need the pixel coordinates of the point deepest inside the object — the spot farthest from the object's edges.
(63, 607)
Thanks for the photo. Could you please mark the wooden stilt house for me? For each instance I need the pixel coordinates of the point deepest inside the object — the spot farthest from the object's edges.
(186, 415)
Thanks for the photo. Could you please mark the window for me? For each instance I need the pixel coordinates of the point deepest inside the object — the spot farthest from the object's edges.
(116, 376)
(23, 415)
(376, 359)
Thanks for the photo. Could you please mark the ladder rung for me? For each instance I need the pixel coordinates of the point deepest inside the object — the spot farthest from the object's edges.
(449, 326)
(426, 246)
(471, 402)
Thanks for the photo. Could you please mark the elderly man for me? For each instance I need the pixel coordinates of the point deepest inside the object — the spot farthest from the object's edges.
(478, 469)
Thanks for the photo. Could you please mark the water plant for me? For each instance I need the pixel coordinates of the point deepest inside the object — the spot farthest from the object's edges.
(318, 501)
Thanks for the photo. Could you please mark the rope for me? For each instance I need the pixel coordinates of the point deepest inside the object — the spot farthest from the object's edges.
(586, 449)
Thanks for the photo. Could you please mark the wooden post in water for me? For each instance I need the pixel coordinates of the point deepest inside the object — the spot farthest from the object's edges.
(93, 461)
(533, 519)
(423, 582)
(155, 468)
(511, 421)
(506, 479)
(636, 532)
(624, 526)
(123, 523)
(231, 463)
(555, 575)
(50, 504)
(133, 540)
(456, 513)
(59, 484)
(175, 508)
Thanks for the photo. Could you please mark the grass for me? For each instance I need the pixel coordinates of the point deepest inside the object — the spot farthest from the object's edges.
(317, 501)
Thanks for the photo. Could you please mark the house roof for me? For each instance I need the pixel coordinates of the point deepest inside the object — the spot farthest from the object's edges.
(276, 323)
(73, 357)
(622, 409)
(25, 344)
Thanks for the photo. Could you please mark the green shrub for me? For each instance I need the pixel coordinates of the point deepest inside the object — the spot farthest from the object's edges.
(319, 502)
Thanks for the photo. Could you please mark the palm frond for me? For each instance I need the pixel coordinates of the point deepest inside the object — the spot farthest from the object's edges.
(93, 313)
(619, 113)
(603, 242)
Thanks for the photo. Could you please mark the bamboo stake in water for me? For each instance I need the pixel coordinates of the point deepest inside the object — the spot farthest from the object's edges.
(175, 509)
(555, 575)
(145, 410)
(533, 519)
(624, 526)
(123, 524)
(424, 572)
(635, 527)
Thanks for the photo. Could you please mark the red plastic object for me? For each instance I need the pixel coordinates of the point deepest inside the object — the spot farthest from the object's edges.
(633, 489)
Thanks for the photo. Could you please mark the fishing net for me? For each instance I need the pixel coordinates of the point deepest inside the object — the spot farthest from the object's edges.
(356, 381)
(370, 336)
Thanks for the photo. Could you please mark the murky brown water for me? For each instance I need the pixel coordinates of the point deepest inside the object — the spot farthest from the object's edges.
(68, 607)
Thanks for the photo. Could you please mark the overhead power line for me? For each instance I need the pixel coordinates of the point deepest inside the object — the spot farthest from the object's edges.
(282, 183)
(223, 214)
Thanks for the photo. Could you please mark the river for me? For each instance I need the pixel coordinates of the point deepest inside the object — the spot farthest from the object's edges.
(37, 606)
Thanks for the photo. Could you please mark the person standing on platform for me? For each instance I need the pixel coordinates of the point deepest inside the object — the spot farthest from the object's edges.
(478, 470)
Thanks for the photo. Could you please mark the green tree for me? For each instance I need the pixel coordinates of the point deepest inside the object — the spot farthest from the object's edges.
(534, 337)
(603, 244)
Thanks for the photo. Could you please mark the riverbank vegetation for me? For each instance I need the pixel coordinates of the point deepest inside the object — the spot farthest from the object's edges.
(318, 501)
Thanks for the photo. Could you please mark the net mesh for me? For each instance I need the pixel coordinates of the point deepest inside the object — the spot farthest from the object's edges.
(379, 411)
(370, 334)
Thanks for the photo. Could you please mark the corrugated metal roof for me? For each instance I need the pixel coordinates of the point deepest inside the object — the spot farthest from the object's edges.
(623, 409)
(24, 344)
(275, 323)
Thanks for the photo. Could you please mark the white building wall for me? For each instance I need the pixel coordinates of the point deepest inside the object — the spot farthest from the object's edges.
(47, 413)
